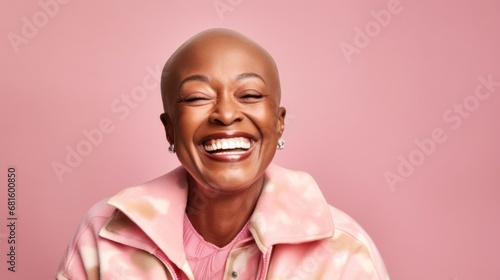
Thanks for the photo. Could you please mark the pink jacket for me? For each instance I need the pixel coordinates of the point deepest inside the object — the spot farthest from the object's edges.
(138, 234)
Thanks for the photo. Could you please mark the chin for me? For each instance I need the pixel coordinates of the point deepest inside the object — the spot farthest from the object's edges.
(233, 180)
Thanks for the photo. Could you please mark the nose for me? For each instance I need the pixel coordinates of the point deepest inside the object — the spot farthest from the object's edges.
(226, 112)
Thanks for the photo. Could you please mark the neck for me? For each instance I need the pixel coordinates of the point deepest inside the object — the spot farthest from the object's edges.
(219, 217)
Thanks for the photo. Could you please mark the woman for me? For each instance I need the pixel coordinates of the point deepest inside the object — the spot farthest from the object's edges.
(227, 212)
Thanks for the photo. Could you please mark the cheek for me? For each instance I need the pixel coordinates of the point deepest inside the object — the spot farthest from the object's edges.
(187, 121)
(268, 121)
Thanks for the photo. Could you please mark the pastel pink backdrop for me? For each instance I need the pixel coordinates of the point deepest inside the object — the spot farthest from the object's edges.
(350, 116)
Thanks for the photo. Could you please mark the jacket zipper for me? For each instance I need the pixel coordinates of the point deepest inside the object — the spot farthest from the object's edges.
(263, 270)
(170, 268)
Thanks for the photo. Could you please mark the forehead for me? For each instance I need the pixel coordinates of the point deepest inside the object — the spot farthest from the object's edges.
(222, 53)
(222, 56)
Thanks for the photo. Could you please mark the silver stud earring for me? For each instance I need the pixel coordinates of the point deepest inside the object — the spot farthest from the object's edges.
(281, 144)
(171, 149)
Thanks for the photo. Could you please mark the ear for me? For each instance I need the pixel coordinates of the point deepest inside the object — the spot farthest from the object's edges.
(169, 129)
(281, 120)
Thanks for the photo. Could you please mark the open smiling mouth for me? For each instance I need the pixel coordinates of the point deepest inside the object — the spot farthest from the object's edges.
(228, 146)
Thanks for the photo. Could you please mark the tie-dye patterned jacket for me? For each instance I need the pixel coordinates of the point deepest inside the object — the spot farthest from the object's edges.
(137, 234)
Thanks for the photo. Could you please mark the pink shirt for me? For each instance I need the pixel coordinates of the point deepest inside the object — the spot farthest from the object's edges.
(207, 261)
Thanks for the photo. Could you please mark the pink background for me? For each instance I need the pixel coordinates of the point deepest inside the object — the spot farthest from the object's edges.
(350, 117)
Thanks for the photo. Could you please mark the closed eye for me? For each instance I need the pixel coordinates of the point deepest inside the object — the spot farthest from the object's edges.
(251, 97)
(195, 99)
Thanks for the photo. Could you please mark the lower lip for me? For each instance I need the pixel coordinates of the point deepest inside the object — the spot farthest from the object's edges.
(229, 157)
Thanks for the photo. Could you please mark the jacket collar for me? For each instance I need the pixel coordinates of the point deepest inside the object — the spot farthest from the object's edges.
(155, 211)
(291, 209)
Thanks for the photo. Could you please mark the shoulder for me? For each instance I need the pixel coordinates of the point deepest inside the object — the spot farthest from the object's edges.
(346, 224)
(352, 241)
(81, 251)
(92, 222)
(100, 209)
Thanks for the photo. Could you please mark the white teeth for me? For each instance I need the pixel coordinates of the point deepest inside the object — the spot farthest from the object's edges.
(227, 144)
(230, 153)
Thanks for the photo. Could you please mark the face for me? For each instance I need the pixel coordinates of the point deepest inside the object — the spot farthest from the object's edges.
(223, 112)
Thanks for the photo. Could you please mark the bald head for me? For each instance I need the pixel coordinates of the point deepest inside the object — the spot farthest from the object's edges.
(217, 53)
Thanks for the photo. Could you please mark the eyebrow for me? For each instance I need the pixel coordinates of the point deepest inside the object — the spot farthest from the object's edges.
(250, 75)
(200, 78)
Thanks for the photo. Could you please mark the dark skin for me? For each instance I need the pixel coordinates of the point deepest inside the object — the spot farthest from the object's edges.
(221, 88)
